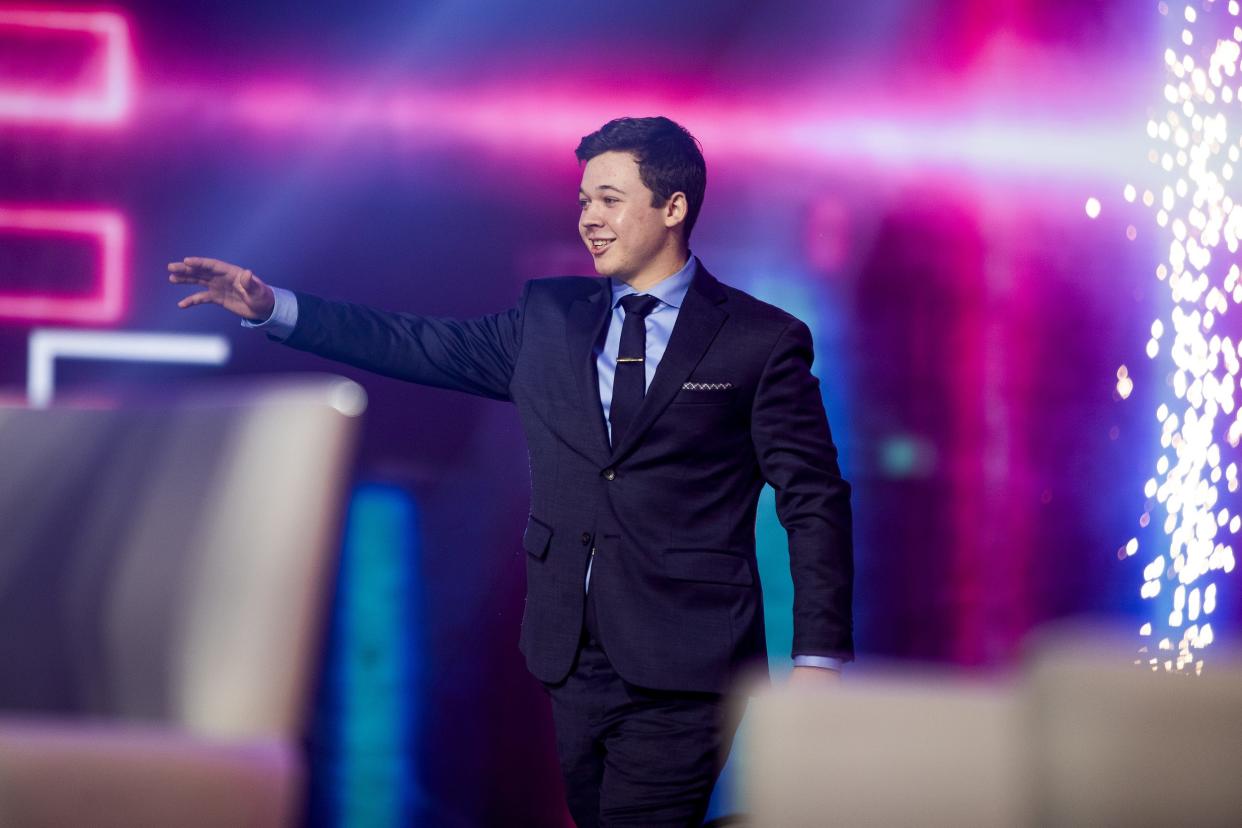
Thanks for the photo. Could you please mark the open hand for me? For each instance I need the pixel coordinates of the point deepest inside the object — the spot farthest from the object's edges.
(231, 287)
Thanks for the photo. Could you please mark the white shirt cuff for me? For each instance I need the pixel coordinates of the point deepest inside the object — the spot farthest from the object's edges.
(825, 662)
(284, 316)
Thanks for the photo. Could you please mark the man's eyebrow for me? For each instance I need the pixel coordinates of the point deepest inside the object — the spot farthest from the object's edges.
(603, 187)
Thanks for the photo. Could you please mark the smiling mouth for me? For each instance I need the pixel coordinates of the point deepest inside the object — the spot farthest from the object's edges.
(600, 245)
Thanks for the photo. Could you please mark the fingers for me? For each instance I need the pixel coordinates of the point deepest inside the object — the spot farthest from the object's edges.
(201, 298)
(180, 279)
(212, 265)
(194, 271)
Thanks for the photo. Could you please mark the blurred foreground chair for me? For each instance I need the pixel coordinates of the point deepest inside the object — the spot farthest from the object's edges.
(1078, 736)
(164, 576)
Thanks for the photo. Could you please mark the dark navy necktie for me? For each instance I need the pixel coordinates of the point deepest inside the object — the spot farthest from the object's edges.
(629, 383)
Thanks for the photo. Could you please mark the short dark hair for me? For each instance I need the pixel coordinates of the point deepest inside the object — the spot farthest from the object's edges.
(670, 159)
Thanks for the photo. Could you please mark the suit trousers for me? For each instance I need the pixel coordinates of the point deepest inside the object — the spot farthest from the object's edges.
(631, 755)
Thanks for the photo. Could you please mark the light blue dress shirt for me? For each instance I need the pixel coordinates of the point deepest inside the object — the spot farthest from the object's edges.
(670, 291)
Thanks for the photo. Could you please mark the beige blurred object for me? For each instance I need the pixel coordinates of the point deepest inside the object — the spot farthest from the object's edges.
(180, 557)
(100, 774)
(1079, 736)
(1112, 743)
(925, 748)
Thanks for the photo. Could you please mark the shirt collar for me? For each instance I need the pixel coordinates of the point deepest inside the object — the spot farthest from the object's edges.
(670, 291)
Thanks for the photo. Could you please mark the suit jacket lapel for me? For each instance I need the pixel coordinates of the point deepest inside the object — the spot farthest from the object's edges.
(697, 324)
(587, 317)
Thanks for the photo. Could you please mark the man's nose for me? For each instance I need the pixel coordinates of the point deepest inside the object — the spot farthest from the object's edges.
(589, 217)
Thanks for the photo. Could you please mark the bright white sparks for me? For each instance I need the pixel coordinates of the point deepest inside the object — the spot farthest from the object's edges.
(1198, 219)
(1124, 384)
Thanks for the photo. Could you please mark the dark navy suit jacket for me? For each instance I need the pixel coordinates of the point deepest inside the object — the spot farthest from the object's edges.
(669, 511)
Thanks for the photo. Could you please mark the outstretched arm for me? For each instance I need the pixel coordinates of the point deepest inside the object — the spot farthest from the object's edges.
(472, 355)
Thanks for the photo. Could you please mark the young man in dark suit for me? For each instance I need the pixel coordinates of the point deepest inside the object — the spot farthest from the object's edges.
(656, 402)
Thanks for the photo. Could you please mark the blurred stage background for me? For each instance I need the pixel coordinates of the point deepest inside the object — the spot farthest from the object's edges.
(909, 178)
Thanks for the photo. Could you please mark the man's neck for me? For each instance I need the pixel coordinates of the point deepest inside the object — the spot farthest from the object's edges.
(659, 269)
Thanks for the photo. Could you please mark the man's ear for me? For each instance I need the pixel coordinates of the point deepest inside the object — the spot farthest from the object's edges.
(675, 209)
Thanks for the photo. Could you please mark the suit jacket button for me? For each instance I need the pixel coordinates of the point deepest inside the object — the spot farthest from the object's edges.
(586, 538)
(610, 474)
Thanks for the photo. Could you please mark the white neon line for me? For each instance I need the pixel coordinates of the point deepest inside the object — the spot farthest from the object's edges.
(49, 344)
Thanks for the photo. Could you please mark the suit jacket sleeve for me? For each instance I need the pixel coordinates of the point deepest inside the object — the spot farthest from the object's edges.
(796, 455)
(472, 355)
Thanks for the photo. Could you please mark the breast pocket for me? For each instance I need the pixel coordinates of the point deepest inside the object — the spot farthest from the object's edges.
(706, 393)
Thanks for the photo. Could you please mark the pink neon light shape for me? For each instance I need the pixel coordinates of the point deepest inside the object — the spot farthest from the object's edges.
(109, 232)
(107, 104)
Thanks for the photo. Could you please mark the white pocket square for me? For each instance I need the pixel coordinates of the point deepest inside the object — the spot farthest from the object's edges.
(706, 386)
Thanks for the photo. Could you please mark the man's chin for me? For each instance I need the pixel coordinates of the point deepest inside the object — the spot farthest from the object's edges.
(605, 267)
